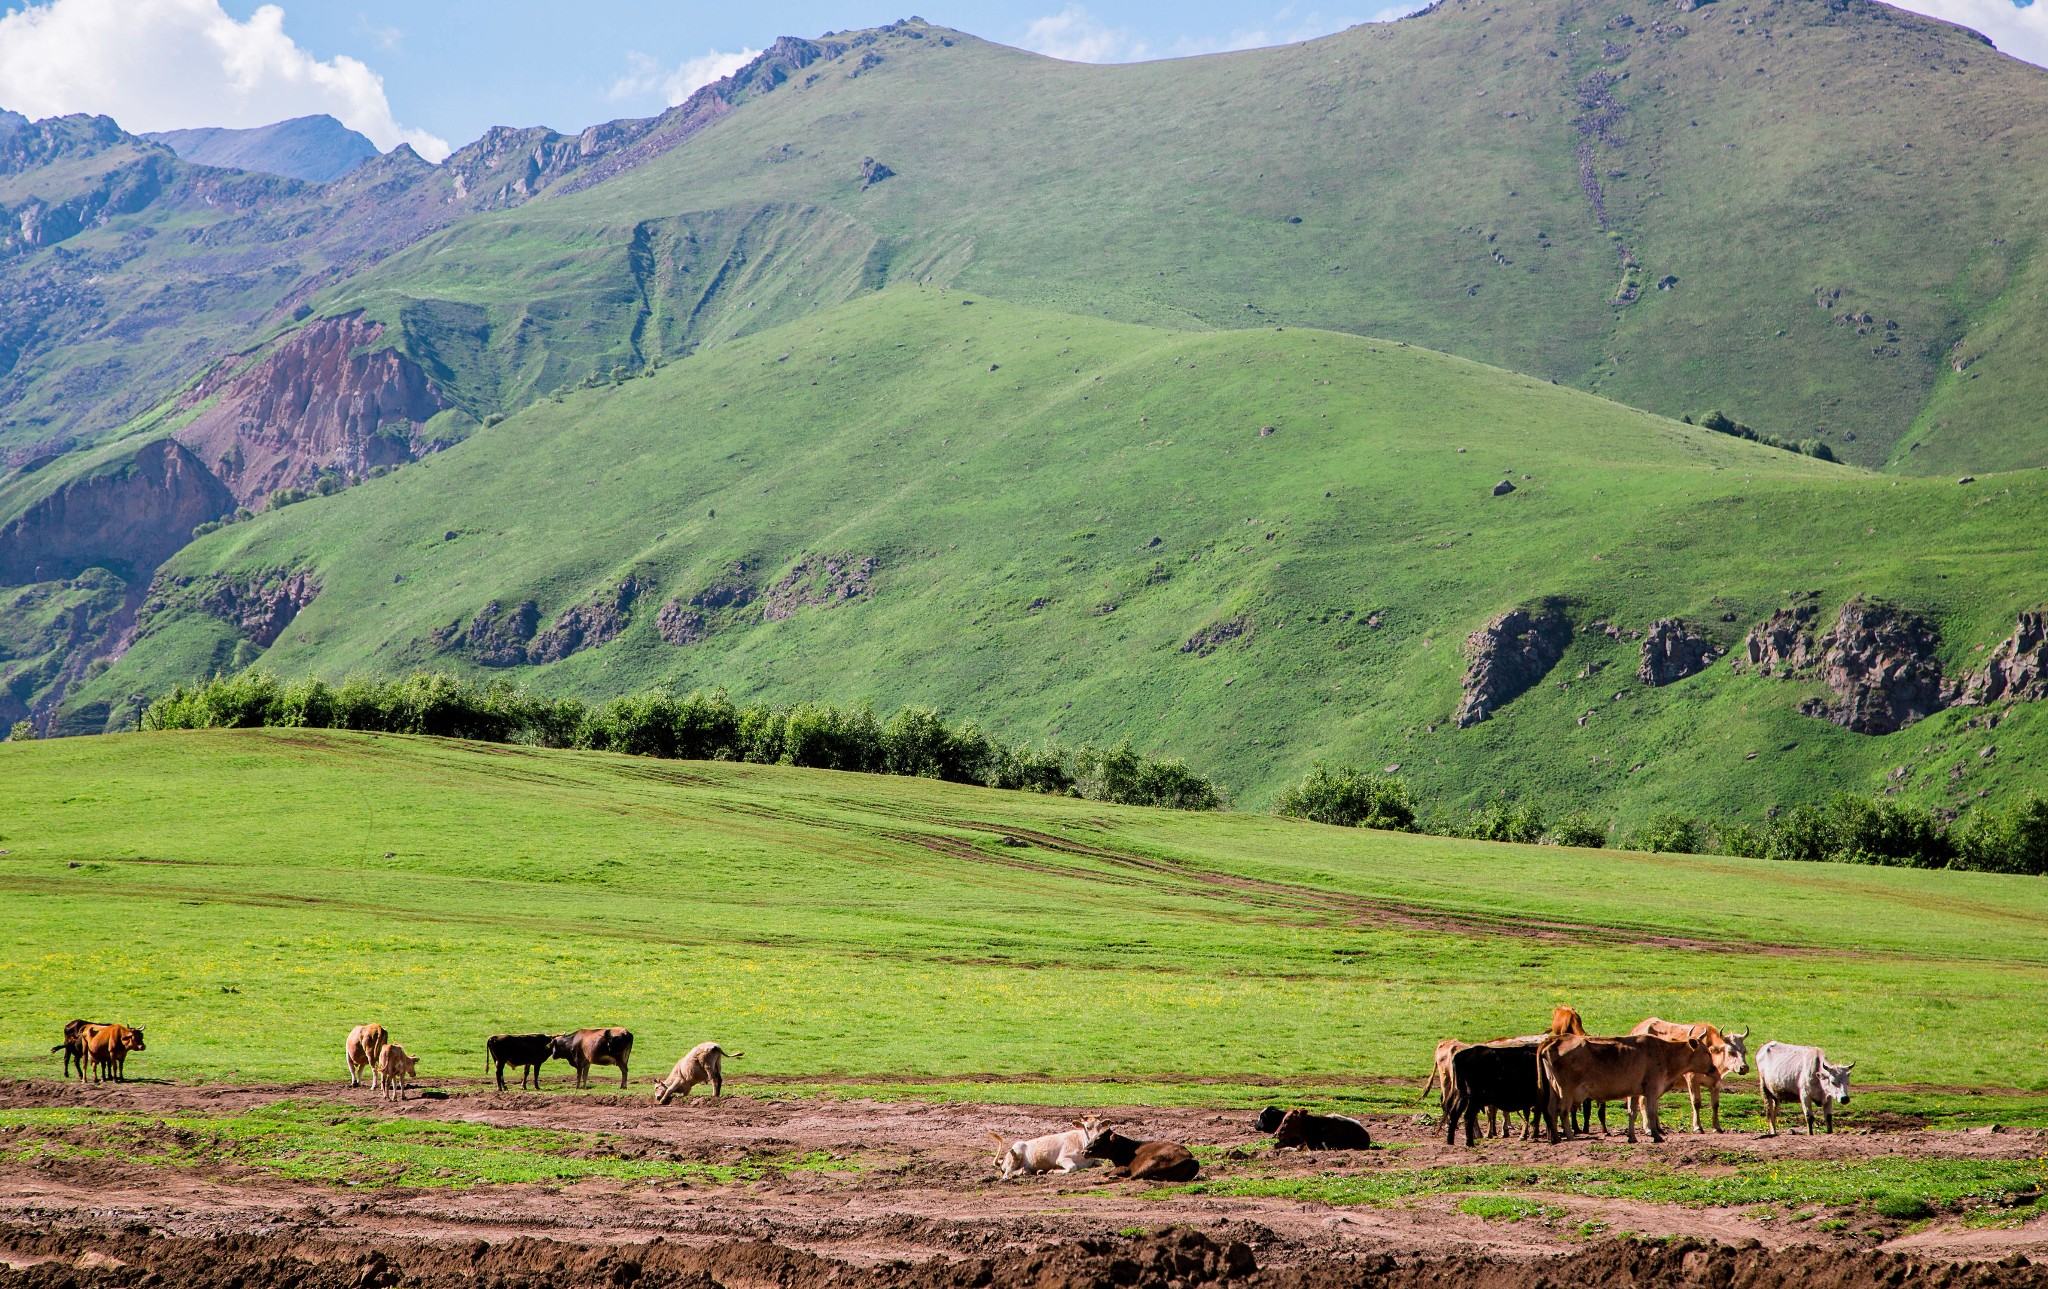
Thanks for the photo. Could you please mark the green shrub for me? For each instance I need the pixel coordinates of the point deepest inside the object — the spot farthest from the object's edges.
(23, 732)
(1578, 829)
(1349, 797)
(2011, 840)
(1903, 1208)
(1520, 821)
(1671, 833)
(1741, 840)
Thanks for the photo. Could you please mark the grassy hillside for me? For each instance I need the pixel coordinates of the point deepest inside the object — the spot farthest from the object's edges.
(1247, 548)
(1509, 184)
(248, 896)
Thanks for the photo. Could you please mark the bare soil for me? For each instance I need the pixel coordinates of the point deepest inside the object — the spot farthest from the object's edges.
(921, 1205)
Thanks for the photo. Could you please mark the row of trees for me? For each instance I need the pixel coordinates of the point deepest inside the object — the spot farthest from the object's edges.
(701, 726)
(1848, 830)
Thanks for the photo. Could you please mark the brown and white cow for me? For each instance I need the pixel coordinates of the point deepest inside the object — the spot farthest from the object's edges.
(107, 1047)
(1574, 1070)
(701, 1064)
(364, 1046)
(397, 1070)
(73, 1045)
(587, 1047)
(1731, 1058)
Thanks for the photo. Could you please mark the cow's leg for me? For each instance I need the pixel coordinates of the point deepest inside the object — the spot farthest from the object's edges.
(622, 1073)
(1806, 1106)
(1714, 1091)
(1692, 1094)
(1827, 1110)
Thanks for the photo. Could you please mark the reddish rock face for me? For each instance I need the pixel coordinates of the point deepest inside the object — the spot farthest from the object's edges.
(1672, 651)
(131, 517)
(1783, 643)
(321, 399)
(1508, 656)
(2017, 669)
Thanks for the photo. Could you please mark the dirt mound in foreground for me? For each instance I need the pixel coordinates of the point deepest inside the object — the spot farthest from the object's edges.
(1178, 1258)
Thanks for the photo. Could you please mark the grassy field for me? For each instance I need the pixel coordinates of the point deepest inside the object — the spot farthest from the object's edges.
(249, 896)
(1056, 507)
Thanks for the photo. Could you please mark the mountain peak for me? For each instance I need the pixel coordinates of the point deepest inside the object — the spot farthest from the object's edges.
(315, 148)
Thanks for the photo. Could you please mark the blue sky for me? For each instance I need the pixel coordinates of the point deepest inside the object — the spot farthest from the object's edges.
(436, 73)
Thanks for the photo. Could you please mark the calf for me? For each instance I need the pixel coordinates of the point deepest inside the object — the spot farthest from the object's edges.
(397, 1070)
(364, 1045)
(1637, 1069)
(1064, 1151)
(587, 1047)
(1145, 1161)
(73, 1045)
(107, 1046)
(1787, 1072)
(1492, 1076)
(1300, 1130)
(1731, 1058)
(699, 1065)
(526, 1051)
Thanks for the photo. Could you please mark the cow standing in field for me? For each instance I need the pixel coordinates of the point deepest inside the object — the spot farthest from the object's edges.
(73, 1045)
(701, 1064)
(587, 1047)
(526, 1051)
(1440, 1076)
(1731, 1059)
(1493, 1076)
(1575, 1070)
(1787, 1072)
(397, 1070)
(365, 1044)
(107, 1047)
(1061, 1151)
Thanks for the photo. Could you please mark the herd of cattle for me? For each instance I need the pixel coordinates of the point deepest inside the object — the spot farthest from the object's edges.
(1561, 1074)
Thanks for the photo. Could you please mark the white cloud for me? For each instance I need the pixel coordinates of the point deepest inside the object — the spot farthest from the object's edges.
(1078, 36)
(175, 64)
(646, 78)
(2018, 29)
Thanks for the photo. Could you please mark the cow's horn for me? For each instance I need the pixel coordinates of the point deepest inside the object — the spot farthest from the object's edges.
(1746, 1029)
(1850, 1066)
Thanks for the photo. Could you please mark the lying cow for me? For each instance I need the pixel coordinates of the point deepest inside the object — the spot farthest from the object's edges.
(107, 1047)
(73, 1045)
(364, 1045)
(701, 1064)
(397, 1070)
(1493, 1076)
(528, 1052)
(1637, 1069)
(1731, 1058)
(1787, 1072)
(1145, 1161)
(1300, 1130)
(587, 1047)
(1061, 1151)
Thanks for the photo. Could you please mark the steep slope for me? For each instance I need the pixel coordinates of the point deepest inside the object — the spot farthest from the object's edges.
(1251, 548)
(318, 149)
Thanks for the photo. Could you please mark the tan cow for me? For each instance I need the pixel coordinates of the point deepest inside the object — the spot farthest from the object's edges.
(1565, 1020)
(1731, 1058)
(107, 1047)
(364, 1046)
(396, 1070)
(1062, 1151)
(699, 1065)
(1574, 1070)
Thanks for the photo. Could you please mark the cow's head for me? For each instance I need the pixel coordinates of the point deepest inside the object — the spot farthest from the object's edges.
(562, 1047)
(1834, 1081)
(1093, 1129)
(134, 1041)
(1734, 1055)
(1269, 1118)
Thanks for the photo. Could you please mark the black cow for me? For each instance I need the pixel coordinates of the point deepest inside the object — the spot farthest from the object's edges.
(1300, 1130)
(587, 1047)
(527, 1051)
(1490, 1077)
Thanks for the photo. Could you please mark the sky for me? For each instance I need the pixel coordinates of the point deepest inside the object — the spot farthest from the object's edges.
(436, 73)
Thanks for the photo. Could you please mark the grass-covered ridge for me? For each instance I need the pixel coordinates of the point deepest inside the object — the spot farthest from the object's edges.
(1326, 538)
(271, 882)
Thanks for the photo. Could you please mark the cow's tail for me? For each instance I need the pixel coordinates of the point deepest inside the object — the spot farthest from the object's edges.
(1002, 1143)
(60, 1047)
(1435, 1073)
(487, 1058)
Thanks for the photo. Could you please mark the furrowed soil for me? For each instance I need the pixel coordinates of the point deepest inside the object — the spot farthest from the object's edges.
(121, 1185)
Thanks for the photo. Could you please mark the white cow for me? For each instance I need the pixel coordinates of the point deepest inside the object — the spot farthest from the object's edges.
(1788, 1072)
(1065, 1151)
(701, 1064)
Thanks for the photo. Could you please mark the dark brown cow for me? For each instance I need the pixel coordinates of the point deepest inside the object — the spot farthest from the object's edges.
(1300, 1130)
(526, 1051)
(588, 1047)
(1637, 1069)
(107, 1046)
(73, 1045)
(1492, 1076)
(1150, 1161)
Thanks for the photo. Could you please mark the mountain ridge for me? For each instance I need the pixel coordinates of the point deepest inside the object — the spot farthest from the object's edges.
(317, 149)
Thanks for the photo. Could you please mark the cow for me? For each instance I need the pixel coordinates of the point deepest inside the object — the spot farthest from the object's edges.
(1731, 1059)
(1788, 1072)
(699, 1065)
(1145, 1161)
(1565, 1020)
(1489, 1076)
(1064, 1151)
(364, 1045)
(1300, 1130)
(73, 1045)
(528, 1052)
(1636, 1069)
(587, 1047)
(396, 1070)
(107, 1047)
(1440, 1076)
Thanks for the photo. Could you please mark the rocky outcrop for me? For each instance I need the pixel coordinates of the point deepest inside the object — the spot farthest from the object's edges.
(1782, 644)
(323, 398)
(128, 515)
(1217, 634)
(681, 625)
(818, 581)
(596, 621)
(1672, 651)
(687, 620)
(1880, 661)
(2017, 669)
(260, 606)
(497, 636)
(1508, 656)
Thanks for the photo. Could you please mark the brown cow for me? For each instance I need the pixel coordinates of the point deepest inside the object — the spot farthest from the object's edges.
(1145, 1161)
(587, 1047)
(1440, 1078)
(107, 1046)
(364, 1046)
(1731, 1058)
(1573, 1070)
(73, 1045)
(397, 1070)
(1565, 1020)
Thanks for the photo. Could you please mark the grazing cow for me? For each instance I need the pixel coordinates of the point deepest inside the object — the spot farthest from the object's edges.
(1636, 1069)
(397, 1070)
(1788, 1072)
(73, 1045)
(526, 1051)
(107, 1047)
(1492, 1076)
(365, 1044)
(699, 1065)
(1731, 1058)
(1145, 1161)
(1065, 1151)
(1300, 1130)
(588, 1047)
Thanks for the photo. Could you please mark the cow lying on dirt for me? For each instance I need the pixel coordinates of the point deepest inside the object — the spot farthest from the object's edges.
(364, 1046)
(588, 1047)
(107, 1047)
(527, 1051)
(396, 1070)
(1637, 1069)
(1489, 1077)
(1731, 1058)
(1788, 1072)
(1061, 1151)
(1145, 1161)
(73, 1045)
(1300, 1130)
(701, 1064)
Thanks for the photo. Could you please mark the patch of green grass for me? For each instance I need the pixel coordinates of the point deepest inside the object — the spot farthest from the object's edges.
(1507, 1208)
